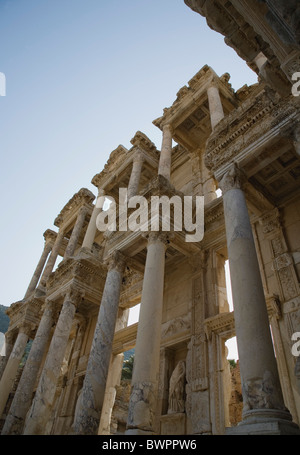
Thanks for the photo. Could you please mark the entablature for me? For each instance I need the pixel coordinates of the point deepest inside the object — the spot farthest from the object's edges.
(258, 137)
(189, 115)
(83, 197)
(117, 171)
(87, 272)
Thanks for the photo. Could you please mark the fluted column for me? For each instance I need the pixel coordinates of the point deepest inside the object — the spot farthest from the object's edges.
(262, 396)
(165, 160)
(51, 260)
(92, 227)
(39, 268)
(22, 399)
(76, 232)
(88, 411)
(215, 106)
(12, 365)
(133, 186)
(144, 385)
(39, 413)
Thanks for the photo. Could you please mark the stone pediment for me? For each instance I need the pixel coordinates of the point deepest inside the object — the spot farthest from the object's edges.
(141, 141)
(116, 158)
(84, 196)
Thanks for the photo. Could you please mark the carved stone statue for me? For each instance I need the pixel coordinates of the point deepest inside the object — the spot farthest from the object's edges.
(176, 389)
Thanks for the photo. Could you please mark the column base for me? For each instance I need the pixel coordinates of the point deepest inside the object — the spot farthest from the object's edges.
(265, 422)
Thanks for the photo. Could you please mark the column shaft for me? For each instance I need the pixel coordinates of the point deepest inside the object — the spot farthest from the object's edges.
(42, 404)
(88, 413)
(146, 362)
(215, 106)
(51, 260)
(22, 400)
(76, 233)
(9, 344)
(113, 378)
(39, 268)
(11, 368)
(92, 227)
(259, 375)
(133, 186)
(165, 160)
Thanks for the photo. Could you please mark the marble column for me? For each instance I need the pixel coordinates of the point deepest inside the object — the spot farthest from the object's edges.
(133, 186)
(262, 396)
(76, 232)
(39, 268)
(144, 385)
(165, 161)
(12, 365)
(9, 344)
(215, 106)
(113, 378)
(40, 410)
(22, 399)
(88, 411)
(51, 260)
(92, 227)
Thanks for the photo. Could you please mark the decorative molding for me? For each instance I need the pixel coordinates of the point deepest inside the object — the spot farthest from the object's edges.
(84, 196)
(256, 118)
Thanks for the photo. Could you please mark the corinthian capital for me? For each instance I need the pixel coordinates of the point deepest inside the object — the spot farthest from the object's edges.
(161, 236)
(116, 261)
(234, 178)
(75, 296)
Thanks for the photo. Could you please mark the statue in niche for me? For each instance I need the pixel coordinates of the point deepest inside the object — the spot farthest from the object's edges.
(177, 389)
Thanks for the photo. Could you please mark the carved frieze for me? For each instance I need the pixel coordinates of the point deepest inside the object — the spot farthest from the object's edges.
(176, 327)
(256, 117)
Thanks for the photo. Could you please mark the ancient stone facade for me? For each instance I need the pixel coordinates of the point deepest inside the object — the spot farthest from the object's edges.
(244, 143)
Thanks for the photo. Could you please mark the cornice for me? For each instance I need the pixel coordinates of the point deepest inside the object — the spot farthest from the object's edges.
(116, 158)
(256, 117)
(191, 93)
(83, 196)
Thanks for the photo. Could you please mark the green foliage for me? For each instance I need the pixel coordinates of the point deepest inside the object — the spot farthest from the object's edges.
(128, 354)
(4, 319)
(128, 368)
(232, 363)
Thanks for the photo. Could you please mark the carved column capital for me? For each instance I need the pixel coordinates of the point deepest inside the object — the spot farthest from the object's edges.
(233, 179)
(116, 261)
(163, 237)
(74, 295)
(51, 305)
(167, 128)
(27, 328)
(10, 337)
(50, 237)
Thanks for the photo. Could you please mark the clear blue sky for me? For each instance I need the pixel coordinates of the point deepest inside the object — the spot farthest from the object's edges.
(82, 77)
